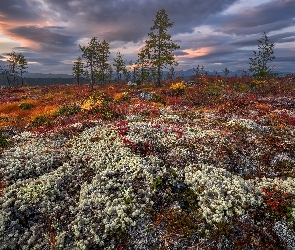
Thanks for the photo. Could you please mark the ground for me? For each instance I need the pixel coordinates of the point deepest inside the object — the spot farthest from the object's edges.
(205, 166)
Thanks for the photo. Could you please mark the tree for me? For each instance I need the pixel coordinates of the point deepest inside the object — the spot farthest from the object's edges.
(12, 64)
(22, 65)
(78, 69)
(142, 66)
(120, 66)
(16, 62)
(258, 64)
(109, 73)
(171, 74)
(103, 70)
(225, 71)
(159, 46)
(96, 55)
(90, 53)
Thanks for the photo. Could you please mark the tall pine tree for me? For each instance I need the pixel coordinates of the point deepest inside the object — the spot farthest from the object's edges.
(159, 47)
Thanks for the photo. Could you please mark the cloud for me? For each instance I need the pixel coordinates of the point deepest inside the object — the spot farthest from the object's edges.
(45, 39)
(128, 20)
(266, 17)
(48, 32)
(13, 11)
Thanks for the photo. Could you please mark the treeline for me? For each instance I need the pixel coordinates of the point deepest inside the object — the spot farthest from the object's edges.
(13, 73)
(153, 57)
(27, 81)
(94, 66)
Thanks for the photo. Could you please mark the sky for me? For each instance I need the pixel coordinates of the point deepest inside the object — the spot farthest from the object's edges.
(216, 34)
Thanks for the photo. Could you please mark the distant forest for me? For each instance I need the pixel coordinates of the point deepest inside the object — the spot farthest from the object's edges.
(43, 81)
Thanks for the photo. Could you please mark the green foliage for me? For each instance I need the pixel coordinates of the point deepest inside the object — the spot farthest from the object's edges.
(158, 98)
(16, 62)
(22, 65)
(4, 143)
(225, 71)
(96, 55)
(68, 110)
(143, 67)
(40, 120)
(157, 183)
(127, 200)
(120, 66)
(26, 105)
(159, 47)
(258, 64)
(78, 69)
(213, 90)
(289, 214)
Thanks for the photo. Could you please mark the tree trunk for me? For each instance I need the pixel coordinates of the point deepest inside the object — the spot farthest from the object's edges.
(159, 76)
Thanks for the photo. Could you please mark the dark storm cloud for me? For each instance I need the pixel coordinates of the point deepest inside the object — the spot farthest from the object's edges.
(130, 20)
(47, 39)
(17, 10)
(285, 59)
(253, 41)
(262, 18)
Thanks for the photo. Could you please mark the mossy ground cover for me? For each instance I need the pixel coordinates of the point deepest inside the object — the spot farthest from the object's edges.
(205, 166)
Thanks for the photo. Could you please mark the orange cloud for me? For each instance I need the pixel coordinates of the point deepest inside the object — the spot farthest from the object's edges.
(6, 28)
(193, 53)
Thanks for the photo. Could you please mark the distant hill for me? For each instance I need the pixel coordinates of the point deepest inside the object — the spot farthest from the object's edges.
(49, 75)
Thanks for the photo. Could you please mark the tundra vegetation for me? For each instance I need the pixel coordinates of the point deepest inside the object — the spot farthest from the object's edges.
(209, 165)
(205, 164)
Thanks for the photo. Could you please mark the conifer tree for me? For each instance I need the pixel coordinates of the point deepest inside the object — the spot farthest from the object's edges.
(78, 69)
(120, 66)
(258, 64)
(142, 66)
(104, 69)
(96, 55)
(159, 46)
(16, 62)
(90, 53)
(22, 65)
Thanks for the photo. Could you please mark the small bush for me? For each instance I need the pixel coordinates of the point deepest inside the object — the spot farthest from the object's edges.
(178, 88)
(4, 143)
(26, 105)
(158, 98)
(40, 120)
(68, 110)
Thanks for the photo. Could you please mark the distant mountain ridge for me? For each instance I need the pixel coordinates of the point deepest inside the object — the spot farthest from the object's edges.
(49, 75)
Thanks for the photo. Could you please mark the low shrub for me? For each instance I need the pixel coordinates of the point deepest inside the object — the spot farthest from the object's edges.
(68, 110)
(4, 142)
(178, 88)
(40, 120)
(26, 105)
